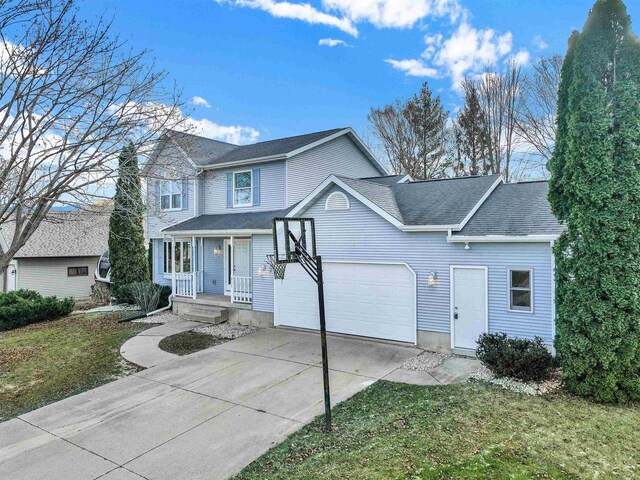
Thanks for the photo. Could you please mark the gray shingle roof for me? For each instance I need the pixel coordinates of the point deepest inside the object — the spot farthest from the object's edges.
(386, 180)
(514, 209)
(65, 234)
(229, 221)
(381, 195)
(201, 150)
(280, 146)
(429, 202)
(440, 202)
(207, 152)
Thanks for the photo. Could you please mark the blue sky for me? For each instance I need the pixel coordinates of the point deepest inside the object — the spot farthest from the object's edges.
(262, 74)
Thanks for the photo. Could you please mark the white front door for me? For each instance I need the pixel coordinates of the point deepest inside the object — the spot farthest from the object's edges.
(237, 261)
(469, 306)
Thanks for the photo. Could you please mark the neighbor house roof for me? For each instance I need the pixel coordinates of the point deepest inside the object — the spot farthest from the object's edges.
(514, 209)
(65, 234)
(208, 153)
(249, 221)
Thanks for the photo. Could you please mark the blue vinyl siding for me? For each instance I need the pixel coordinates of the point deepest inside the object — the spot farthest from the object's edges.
(158, 276)
(262, 245)
(340, 156)
(360, 234)
(218, 198)
(213, 266)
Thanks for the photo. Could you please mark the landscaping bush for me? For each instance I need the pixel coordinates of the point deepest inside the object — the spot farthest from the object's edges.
(23, 307)
(526, 360)
(101, 293)
(146, 295)
(125, 294)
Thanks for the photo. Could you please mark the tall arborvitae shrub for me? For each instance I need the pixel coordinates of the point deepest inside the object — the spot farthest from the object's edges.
(126, 235)
(595, 191)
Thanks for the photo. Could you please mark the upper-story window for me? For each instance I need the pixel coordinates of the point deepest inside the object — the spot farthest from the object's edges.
(242, 189)
(171, 195)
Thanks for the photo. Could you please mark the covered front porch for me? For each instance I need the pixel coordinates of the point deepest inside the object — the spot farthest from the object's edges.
(210, 267)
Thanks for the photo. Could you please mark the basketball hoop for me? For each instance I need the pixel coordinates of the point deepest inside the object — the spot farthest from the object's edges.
(277, 268)
(294, 241)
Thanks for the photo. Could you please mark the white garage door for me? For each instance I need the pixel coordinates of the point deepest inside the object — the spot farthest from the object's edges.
(372, 300)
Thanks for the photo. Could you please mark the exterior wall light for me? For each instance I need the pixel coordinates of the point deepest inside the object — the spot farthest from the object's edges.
(262, 270)
(217, 250)
(466, 246)
(432, 279)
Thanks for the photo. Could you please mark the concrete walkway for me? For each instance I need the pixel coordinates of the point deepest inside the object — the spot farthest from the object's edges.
(452, 370)
(202, 416)
(143, 349)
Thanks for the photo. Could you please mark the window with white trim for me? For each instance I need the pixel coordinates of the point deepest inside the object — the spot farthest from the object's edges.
(521, 290)
(177, 258)
(242, 189)
(171, 194)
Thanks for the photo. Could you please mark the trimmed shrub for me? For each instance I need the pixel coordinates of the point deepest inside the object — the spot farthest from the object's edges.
(526, 360)
(101, 293)
(24, 307)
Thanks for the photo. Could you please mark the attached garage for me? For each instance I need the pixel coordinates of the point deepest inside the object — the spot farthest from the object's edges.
(368, 299)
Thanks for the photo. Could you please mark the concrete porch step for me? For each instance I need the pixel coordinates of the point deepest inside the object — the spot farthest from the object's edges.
(205, 314)
(192, 317)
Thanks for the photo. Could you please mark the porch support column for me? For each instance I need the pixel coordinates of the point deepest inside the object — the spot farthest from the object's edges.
(194, 268)
(232, 267)
(173, 263)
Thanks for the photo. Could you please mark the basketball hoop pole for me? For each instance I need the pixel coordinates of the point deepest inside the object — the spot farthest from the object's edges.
(323, 344)
(312, 264)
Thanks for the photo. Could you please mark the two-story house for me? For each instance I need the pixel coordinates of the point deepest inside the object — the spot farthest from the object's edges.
(211, 206)
(429, 262)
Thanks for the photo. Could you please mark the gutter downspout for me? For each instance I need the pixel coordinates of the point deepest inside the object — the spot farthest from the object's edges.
(163, 308)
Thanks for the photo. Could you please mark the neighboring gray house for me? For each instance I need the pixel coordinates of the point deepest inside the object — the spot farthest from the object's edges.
(434, 263)
(60, 257)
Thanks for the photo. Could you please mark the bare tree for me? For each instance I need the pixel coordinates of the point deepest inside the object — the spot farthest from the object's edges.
(499, 94)
(393, 129)
(536, 111)
(414, 135)
(71, 95)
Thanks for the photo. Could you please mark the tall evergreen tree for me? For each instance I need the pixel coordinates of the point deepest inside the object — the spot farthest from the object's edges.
(126, 234)
(428, 120)
(595, 191)
(471, 133)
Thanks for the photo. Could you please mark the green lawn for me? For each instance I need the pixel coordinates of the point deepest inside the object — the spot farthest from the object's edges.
(472, 431)
(48, 361)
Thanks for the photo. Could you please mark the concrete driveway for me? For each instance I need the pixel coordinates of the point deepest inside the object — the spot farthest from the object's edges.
(206, 415)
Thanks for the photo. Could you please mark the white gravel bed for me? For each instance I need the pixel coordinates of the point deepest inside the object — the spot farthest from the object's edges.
(162, 317)
(483, 374)
(112, 308)
(227, 331)
(425, 361)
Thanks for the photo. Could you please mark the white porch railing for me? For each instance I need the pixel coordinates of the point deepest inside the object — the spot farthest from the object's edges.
(188, 284)
(241, 291)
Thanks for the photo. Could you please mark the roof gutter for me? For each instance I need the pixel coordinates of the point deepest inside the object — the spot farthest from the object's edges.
(501, 238)
(268, 158)
(216, 233)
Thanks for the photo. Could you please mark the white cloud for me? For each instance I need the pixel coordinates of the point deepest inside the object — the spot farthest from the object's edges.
(394, 13)
(298, 11)
(413, 68)
(227, 133)
(200, 102)
(540, 43)
(467, 51)
(332, 42)
(522, 58)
